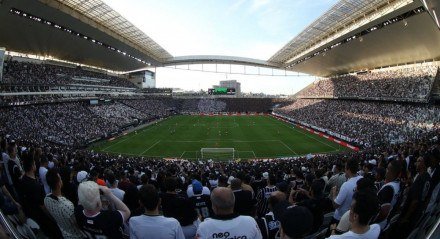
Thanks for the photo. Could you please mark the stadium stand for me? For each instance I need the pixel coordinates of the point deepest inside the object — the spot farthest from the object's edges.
(403, 84)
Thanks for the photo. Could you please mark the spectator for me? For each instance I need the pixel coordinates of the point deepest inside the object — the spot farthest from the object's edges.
(96, 222)
(342, 198)
(42, 174)
(296, 223)
(201, 202)
(60, 208)
(243, 199)
(225, 223)
(264, 194)
(364, 207)
(151, 224)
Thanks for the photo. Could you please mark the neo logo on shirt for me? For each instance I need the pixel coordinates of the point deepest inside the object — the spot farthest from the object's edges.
(226, 235)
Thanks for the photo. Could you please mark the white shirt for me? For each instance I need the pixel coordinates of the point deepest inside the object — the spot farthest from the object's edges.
(155, 227)
(345, 196)
(62, 210)
(190, 191)
(118, 193)
(238, 227)
(42, 172)
(373, 233)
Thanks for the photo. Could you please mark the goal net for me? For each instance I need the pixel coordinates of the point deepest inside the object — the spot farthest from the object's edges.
(219, 154)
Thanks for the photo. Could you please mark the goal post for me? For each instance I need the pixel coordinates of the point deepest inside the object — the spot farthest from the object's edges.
(218, 153)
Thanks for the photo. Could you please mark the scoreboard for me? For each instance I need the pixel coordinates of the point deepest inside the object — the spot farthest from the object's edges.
(221, 91)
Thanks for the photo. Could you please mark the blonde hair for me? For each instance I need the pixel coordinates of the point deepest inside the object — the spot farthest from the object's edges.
(88, 195)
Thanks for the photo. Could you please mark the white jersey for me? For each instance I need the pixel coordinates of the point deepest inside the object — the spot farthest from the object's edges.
(345, 197)
(396, 188)
(155, 227)
(236, 227)
(373, 233)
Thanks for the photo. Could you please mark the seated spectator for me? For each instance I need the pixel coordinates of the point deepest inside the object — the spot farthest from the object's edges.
(296, 222)
(364, 207)
(151, 224)
(226, 224)
(94, 221)
(60, 208)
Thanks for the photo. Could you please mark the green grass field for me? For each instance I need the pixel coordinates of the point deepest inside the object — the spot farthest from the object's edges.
(250, 136)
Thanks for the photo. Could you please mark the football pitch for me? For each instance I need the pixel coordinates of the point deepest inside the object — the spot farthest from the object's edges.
(251, 137)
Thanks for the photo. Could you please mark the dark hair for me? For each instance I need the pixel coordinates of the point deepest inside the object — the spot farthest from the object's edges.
(171, 184)
(111, 178)
(396, 168)
(352, 165)
(149, 197)
(272, 179)
(145, 179)
(28, 163)
(366, 206)
(297, 221)
(317, 188)
(380, 172)
(52, 178)
(364, 184)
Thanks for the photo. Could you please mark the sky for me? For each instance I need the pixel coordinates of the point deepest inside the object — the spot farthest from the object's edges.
(246, 28)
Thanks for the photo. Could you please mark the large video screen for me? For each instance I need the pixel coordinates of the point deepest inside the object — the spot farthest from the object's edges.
(221, 91)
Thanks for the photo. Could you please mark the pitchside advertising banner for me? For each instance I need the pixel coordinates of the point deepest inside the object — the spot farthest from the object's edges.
(2, 57)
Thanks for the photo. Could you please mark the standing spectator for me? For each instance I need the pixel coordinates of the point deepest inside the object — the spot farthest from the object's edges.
(338, 177)
(114, 186)
(296, 222)
(201, 202)
(243, 199)
(264, 194)
(96, 222)
(226, 224)
(342, 199)
(60, 208)
(32, 195)
(151, 225)
(42, 174)
(364, 207)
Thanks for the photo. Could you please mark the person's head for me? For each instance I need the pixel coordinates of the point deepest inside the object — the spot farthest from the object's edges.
(236, 184)
(197, 187)
(149, 197)
(88, 196)
(380, 174)
(44, 162)
(317, 188)
(351, 167)
(111, 178)
(12, 150)
(53, 179)
(145, 179)
(223, 201)
(222, 181)
(364, 207)
(272, 180)
(29, 165)
(364, 184)
(296, 222)
(171, 184)
(422, 164)
(393, 170)
(339, 167)
(275, 198)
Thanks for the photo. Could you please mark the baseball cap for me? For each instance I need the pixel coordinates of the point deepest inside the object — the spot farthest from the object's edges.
(230, 179)
(197, 187)
(81, 176)
(265, 175)
(296, 221)
(373, 162)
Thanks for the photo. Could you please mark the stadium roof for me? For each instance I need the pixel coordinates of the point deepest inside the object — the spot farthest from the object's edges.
(91, 33)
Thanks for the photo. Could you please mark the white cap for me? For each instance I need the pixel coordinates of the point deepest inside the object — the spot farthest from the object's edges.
(81, 176)
(372, 161)
(230, 179)
(265, 175)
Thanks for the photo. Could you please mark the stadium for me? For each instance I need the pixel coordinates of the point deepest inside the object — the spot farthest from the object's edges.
(96, 142)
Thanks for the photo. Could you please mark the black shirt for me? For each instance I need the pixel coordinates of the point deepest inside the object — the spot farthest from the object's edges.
(107, 224)
(32, 196)
(178, 207)
(202, 203)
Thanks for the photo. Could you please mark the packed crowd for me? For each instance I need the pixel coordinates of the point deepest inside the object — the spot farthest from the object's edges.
(15, 72)
(82, 194)
(213, 105)
(366, 123)
(412, 84)
(118, 113)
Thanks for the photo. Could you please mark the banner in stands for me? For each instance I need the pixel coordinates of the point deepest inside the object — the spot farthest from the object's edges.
(2, 58)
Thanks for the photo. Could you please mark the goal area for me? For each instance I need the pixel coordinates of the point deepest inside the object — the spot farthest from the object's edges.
(218, 154)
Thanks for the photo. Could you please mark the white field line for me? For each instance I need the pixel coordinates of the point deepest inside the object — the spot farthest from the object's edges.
(288, 147)
(182, 154)
(150, 147)
(292, 128)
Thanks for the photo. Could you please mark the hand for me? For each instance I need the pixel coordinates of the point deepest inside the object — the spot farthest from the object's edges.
(105, 190)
